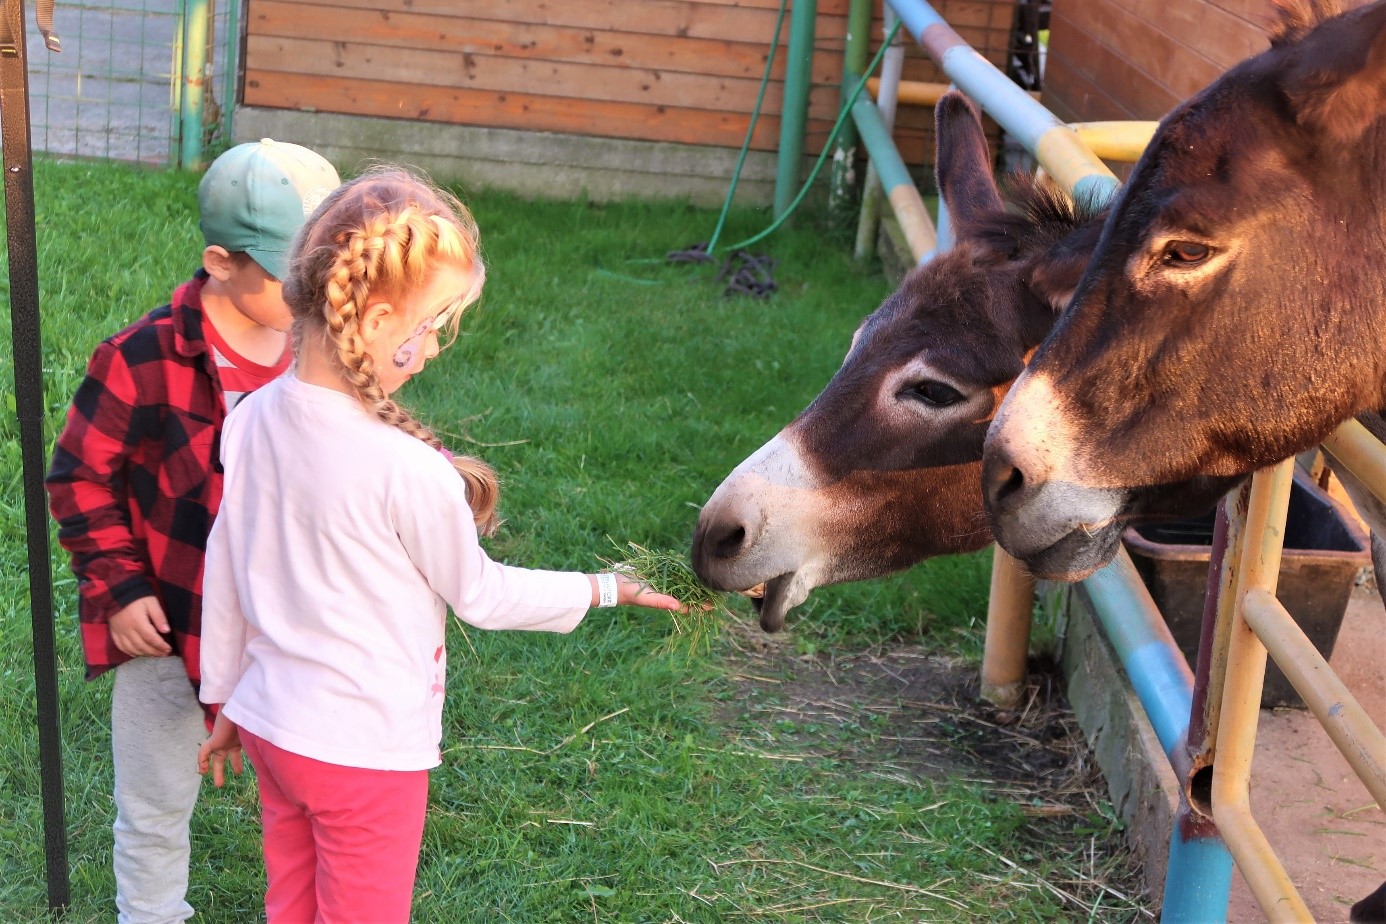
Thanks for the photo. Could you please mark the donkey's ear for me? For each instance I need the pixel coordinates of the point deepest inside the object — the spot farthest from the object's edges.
(1337, 85)
(1053, 276)
(963, 163)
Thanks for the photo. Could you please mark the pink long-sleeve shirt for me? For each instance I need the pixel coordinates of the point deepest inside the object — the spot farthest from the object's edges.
(340, 543)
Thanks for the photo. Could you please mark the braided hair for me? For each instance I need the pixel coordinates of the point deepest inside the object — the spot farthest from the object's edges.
(378, 237)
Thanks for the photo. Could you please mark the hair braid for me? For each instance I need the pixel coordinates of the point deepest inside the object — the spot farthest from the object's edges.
(383, 245)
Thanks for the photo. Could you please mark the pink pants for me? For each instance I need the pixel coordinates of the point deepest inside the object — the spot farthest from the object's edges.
(341, 843)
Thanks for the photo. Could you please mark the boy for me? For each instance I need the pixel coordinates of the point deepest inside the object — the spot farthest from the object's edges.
(135, 484)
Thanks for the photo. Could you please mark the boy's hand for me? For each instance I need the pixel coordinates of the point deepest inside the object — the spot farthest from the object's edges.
(223, 745)
(135, 629)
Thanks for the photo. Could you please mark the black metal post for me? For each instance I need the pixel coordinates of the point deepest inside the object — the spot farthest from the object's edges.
(29, 406)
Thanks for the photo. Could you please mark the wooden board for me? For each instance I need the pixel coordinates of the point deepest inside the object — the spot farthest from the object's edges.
(679, 18)
(686, 71)
(1072, 47)
(526, 111)
(1140, 58)
(528, 41)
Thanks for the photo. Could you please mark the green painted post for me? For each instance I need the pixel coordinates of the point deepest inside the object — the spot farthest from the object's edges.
(842, 190)
(794, 113)
(194, 80)
(231, 47)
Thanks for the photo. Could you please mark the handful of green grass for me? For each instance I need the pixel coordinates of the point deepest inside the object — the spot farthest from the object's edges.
(670, 573)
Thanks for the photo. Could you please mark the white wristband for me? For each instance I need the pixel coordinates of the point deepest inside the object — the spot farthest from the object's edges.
(606, 589)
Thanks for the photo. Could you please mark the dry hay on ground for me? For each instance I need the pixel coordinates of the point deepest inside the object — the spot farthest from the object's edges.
(927, 723)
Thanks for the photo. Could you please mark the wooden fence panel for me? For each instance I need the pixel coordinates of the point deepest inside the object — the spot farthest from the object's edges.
(686, 71)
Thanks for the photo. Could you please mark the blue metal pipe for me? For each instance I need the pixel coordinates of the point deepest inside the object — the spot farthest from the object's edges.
(1158, 671)
(944, 225)
(876, 137)
(1198, 875)
(1013, 109)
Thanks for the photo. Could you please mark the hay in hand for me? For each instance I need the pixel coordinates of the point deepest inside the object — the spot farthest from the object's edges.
(670, 573)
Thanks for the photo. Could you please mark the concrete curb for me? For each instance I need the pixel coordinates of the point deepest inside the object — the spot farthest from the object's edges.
(534, 164)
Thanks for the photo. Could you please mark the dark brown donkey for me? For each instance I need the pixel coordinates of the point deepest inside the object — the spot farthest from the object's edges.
(1233, 313)
(882, 470)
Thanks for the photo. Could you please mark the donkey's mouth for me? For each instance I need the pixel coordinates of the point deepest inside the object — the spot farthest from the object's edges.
(1077, 555)
(781, 595)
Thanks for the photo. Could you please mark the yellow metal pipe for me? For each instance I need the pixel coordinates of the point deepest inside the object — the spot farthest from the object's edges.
(1241, 705)
(1364, 455)
(1340, 714)
(917, 92)
(1067, 159)
(1119, 141)
(1009, 608)
(914, 219)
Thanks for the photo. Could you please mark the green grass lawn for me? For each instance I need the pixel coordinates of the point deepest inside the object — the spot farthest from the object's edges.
(591, 777)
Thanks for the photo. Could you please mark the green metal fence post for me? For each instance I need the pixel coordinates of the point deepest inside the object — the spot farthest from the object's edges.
(194, 80)
(794, 114)
(842, 190)
(231, 50)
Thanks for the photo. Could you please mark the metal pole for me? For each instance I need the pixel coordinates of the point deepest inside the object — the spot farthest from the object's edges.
(1353, 446)
(1241, 705)
(895, 179)
(29, 407)
(842, 189)
(194, 77)
(1337, 710)
(887, 98)
(1039, 130)
(1010, 606)
(1198, 874)
(794, 113)
(1141, 639)
(232, 49)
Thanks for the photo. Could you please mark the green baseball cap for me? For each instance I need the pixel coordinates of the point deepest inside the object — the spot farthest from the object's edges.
(255, 197)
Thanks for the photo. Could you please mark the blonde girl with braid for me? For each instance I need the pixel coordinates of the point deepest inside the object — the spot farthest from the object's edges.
(344, 535)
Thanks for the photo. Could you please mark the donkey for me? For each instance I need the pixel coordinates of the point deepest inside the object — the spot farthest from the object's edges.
(883, 469)
(1233, 312)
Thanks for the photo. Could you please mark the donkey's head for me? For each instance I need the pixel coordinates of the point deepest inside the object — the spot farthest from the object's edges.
(1233, 312)
(882, 470)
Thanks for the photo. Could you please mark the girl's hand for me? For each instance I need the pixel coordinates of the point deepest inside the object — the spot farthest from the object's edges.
(223, 745)
(631, 591)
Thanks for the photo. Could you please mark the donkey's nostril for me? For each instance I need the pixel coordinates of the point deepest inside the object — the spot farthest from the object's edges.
(1005, 482)
(1013, 483)
(729, 544)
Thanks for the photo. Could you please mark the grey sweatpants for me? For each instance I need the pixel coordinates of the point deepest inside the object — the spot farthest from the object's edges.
(156, 728)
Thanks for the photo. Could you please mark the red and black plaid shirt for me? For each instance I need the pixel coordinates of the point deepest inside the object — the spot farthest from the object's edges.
(135, 480)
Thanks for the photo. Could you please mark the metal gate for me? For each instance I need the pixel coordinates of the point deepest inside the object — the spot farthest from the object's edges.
(150, 81)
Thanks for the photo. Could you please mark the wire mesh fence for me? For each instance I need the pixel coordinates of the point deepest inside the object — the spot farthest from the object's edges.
(113, 92)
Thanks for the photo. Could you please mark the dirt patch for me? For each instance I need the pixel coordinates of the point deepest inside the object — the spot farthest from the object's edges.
(905, 712)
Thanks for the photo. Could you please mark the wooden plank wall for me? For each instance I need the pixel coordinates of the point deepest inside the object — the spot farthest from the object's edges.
(1133, 59)
(684, 71)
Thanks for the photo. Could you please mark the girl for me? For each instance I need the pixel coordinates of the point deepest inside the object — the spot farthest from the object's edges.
(344, 533)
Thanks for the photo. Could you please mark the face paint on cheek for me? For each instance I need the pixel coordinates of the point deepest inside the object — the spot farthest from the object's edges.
(409, 356)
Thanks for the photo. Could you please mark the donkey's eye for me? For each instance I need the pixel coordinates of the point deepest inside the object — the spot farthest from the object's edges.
(1186, 253)
(935, 394)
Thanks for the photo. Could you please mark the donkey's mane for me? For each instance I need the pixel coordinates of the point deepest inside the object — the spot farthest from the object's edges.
(1038, 215)
(1291, 20)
